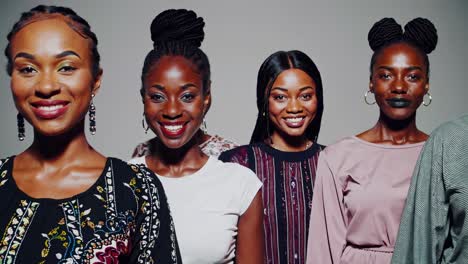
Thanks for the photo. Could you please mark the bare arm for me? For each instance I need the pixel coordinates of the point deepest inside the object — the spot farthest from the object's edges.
(250, 238)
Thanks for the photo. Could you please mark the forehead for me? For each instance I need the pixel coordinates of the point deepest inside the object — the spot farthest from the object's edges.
(400, 55)
(292, 78)
(48, 37)
(174, 68)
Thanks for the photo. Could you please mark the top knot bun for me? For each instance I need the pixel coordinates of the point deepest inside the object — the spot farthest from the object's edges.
(423, 33)
(384, 31)
(177, 25)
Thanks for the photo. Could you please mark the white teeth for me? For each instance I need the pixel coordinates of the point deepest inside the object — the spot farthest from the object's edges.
(294, 120)
(50, 107)
(173, 128)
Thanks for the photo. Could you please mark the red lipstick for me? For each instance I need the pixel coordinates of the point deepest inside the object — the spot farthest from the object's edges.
(49, 109)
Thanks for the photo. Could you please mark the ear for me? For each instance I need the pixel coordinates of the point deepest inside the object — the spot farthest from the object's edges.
(207, 100)
(426, 87)
(371, 86)
(97, 82)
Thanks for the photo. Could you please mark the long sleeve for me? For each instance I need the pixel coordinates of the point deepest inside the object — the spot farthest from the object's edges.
(327, 229)
(155, 238)
(425, 222)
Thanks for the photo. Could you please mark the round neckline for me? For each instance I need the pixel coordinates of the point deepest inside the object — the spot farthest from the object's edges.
(288, 155)
(410, 145)
(53, 200)
(189, 176)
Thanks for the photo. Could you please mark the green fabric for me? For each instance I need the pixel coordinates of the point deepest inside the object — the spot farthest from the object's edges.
(434, 225)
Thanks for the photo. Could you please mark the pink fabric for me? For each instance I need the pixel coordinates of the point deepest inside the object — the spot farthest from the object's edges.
(359, 195)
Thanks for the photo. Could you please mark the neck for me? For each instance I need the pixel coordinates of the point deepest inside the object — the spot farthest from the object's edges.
(177, 162)
(289, 143)
(397, 131)
(67, 146)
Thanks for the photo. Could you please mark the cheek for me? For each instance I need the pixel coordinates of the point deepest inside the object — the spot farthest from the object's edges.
(311, 105)
(275, 108)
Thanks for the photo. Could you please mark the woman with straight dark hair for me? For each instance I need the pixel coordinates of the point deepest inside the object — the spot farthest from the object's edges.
(283, 150)
(362, 181)
(62, 201)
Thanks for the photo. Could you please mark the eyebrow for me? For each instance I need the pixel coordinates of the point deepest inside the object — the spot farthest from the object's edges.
(184, 87)
(410, 68)
(58, 56)
(285, 90)
(67, 53)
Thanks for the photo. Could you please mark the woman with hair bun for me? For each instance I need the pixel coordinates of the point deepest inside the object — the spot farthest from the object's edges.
(216, 206)
(362, 181)
(62, 201)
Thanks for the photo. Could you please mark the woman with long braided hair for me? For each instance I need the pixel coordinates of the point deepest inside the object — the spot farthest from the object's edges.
(362, 181)
(216, 206)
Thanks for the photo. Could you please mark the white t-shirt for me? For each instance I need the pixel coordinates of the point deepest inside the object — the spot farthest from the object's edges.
(206, 206)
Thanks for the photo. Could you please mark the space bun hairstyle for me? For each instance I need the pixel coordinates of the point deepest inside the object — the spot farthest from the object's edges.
(76, 22)
(419, 32)
(178, 32)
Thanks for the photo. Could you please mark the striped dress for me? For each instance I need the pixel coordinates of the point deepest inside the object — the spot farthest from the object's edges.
(288, 180)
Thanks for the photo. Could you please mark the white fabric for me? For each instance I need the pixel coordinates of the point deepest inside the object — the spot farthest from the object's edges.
(206, 207)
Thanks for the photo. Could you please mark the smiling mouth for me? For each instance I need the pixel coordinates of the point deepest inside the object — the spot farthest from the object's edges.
(173, 130)
(294, 122)
(49, 109)
(398, 102)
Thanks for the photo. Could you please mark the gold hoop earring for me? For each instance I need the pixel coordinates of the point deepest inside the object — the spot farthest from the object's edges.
(430, 99)
(365, 97)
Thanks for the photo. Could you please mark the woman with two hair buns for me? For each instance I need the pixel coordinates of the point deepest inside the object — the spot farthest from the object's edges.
(216, 206)
(62, 201)
(362, 181)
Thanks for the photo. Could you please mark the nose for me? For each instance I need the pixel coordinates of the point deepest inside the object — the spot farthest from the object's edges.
(399, 86)
(172, 109)
(47, 85)
(294, 106)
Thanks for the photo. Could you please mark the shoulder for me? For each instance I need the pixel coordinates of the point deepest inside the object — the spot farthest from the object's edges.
(233, 172)
(136, 175)
(457, 128)
(238, 155)
(343, 145)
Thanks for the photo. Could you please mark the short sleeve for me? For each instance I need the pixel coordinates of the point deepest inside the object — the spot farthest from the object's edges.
(155, 239)
(250, 186)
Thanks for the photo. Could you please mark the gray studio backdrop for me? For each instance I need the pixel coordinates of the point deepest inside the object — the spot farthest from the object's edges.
(239, 36)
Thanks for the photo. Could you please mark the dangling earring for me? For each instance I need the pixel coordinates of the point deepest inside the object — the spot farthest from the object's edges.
(430, 99)
(92, 116)
(203, 127)
(143, 122)
(20, 122)
(365, 98)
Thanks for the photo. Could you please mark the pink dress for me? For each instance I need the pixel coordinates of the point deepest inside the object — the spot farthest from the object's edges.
(359, 196)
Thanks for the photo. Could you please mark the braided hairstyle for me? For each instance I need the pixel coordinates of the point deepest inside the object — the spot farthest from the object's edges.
(178, 32)
(77, 23)
(273, 66)
(419, 33)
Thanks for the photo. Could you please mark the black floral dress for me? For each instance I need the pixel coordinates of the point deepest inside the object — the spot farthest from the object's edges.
(122, 218)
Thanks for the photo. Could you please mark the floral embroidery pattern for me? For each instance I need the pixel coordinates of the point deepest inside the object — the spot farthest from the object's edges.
(16, 230)
(3, 174)
(90, 227)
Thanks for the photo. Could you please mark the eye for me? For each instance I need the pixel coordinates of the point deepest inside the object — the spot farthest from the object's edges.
(384, 76)
(157, 97)
(279, 97)
(306, 97)
(27, 70)
(187, 97)
(67, 68)
(414, 77)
